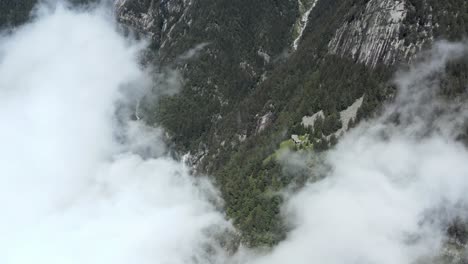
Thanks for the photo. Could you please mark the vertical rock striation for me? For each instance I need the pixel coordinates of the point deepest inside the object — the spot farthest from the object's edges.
(376, 35)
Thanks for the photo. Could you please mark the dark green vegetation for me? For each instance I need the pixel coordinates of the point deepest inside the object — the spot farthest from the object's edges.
(309, 81)
(232, 84)
(221, 102)
(451, 17)
(14, 12)
(234, 32)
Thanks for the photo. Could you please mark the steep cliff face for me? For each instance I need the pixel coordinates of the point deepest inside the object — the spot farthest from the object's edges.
(153, 18)
(374, 35)
(394, 31)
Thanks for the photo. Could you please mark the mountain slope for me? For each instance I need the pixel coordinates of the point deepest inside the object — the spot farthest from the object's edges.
(250, 87)
(261, 77)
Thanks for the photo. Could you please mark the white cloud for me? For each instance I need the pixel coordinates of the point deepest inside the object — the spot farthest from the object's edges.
(72, 189)
(193, 52)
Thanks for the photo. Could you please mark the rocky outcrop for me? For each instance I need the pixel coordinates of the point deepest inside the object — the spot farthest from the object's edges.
(377, 34)
(346, 116)
(153, 18)
(304, 10)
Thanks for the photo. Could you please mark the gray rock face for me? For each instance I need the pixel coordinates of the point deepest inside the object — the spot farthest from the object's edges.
(152, 18)
(375, 35)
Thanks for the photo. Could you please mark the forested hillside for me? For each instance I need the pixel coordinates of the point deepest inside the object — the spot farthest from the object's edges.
(249, 95)
(239, 107)
(240, 112)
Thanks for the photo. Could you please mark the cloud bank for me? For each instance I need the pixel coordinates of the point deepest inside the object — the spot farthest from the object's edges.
(74, 186)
